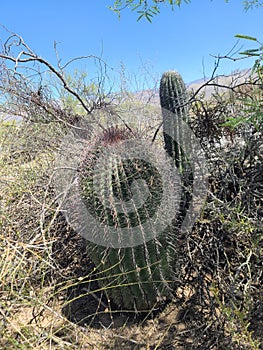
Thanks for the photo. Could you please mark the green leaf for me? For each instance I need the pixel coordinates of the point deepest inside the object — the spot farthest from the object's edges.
(241, 36)
(248, 53)
(148, 16)
(155, 10)
(140, 17)
(253, 50)
(234, 122)
(135, 7)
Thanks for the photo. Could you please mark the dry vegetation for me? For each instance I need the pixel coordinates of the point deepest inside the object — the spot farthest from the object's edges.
(50, 298)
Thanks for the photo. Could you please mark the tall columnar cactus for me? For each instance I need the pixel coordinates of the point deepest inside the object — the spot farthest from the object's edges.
(173, 99)
(136, 277)
(177, 139)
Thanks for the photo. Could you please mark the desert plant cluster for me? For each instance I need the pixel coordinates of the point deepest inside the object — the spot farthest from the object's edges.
(197, 288)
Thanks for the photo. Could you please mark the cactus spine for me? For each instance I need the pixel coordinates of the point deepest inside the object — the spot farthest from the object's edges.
(137, 277)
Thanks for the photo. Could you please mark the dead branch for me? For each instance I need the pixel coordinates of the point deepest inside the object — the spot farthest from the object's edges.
(18, 86)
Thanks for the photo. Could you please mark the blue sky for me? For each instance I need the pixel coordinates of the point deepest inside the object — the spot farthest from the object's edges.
(183, 39)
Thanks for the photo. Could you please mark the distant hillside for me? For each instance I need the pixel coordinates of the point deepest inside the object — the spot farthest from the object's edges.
(152, 95)
(233, 79)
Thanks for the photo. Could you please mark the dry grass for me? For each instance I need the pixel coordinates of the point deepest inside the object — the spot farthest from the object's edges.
(49, 294)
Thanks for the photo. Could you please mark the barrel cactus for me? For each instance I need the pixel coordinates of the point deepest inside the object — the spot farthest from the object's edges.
(140, 276)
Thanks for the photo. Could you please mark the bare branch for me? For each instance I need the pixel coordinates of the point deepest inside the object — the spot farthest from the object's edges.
(23, 60)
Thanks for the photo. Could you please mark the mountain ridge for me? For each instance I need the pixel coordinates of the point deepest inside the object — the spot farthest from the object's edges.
(218, 83)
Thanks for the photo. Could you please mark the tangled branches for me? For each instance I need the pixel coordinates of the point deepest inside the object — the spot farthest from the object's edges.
(26, 94)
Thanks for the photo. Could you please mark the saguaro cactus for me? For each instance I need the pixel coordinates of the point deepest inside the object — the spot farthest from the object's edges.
(137, 277)
(177, 138)
(173, 99)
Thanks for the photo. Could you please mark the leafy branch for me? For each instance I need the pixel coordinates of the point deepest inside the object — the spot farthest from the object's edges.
(144, 9)
(147, 9)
